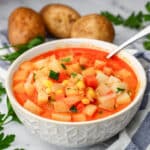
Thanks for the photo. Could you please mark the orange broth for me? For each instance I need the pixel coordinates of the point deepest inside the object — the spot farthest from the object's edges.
(100, 108)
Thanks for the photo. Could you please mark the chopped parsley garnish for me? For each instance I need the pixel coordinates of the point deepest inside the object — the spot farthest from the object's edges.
(21, 49)
(119, 90)
(73, 74)
(54, 75)
(134, 20)
(73, 109)
(64, 67)
(2, 91)
(6, 140)
(67, 59)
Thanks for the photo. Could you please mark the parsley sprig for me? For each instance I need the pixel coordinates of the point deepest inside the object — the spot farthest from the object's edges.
(21, 49)
(2, 91)
(134, 21)
(6, 140)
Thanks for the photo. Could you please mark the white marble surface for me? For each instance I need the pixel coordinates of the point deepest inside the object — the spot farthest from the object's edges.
(24, 139)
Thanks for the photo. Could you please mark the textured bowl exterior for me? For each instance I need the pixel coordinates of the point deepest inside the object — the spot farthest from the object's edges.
(73, 135)
(82, 133)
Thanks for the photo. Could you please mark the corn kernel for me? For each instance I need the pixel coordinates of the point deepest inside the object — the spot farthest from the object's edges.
(90, 93)
(47, 83)
(65, 82)
(48, 90)
(85, 101)
(80, 84)
(60, 91)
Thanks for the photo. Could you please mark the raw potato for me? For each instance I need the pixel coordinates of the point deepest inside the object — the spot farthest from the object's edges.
(24, 24)
(93, 26)
(59, 19)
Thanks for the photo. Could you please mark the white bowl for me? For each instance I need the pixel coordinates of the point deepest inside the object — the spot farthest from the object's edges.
(77, 134)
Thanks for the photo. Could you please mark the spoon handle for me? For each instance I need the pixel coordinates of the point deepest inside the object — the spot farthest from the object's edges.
(139, 35)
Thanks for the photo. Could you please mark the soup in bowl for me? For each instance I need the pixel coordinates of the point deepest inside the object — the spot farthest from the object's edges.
(67, 92)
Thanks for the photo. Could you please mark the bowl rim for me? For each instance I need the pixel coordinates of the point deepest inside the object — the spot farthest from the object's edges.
(13, 100)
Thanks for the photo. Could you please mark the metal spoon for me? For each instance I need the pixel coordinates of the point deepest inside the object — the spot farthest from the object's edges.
(139, 35)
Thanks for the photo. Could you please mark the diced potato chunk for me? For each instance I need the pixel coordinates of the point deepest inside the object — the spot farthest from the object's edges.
(29, 105)
(27, 66)
(19, 88)
(113, 79)
(56, 86)
(74, 68)
(102, 89)
(107, 101)
(60, 106)
(71, 90)
(54, 64)
(101, 77)
(41, 63)
(123, 98)
(90, 109)
(89, 72)
(29, 88)
(99, 64)
(79, 117)
(71, 100)
(117, 85)
(42, 97)
(20, 75)
(107, 70)
(61, 116)
(123, 73)
(83, 60)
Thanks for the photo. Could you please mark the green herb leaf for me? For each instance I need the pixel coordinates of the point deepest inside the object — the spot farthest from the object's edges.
(73, 74)
(67, 59)
(2, 116)
(134, 20)
(11, 112)
(146, 17)
(147, 6)
(146, 45)
(5, 141)
(117, 20)
(119, 90)
(2, 89)
(21, 49)
(64, 67)
(36, 41)
(1, 128)
(54, 75)
(73, 109)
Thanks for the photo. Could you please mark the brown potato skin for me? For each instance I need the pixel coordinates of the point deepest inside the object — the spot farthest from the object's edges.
(59, 19)
(23, 25)
(93, 26)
